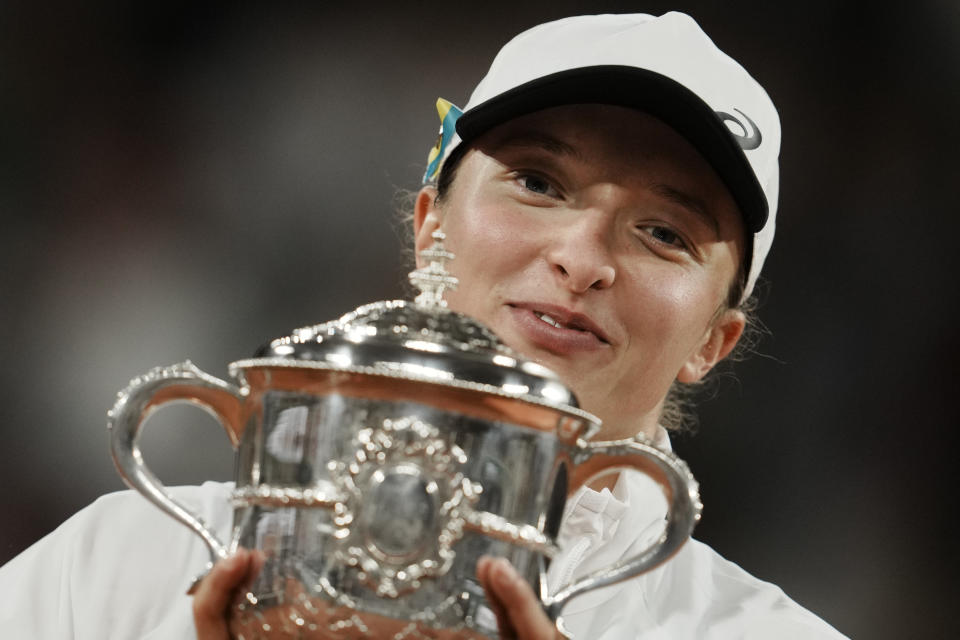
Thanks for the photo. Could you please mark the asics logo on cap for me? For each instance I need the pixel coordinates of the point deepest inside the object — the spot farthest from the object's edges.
(750, 138)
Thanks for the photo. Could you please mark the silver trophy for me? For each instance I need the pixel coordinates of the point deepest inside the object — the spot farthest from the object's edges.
(380, 455)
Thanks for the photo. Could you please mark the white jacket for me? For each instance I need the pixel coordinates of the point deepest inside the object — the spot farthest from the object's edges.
(696, 594)
(118, 570)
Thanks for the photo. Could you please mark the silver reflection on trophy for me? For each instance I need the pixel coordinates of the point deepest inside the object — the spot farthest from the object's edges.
(433, 279)
(380, 455)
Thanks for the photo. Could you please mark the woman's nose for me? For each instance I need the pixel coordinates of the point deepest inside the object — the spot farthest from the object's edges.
(581, 256)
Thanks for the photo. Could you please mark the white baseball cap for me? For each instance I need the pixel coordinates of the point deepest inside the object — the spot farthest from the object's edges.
(665, 66)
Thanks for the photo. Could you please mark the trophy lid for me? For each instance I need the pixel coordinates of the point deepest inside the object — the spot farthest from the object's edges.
(420, 340)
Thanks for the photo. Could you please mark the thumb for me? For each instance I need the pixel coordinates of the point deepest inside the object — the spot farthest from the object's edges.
(215, 593)
(518, 609)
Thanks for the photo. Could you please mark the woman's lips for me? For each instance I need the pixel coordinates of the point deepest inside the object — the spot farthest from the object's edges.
(557, 329)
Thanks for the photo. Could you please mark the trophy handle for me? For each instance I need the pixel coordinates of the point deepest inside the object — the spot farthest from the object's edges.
(145, 394)
(679, 487)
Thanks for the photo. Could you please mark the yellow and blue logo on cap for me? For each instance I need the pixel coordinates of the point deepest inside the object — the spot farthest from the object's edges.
(448, 113)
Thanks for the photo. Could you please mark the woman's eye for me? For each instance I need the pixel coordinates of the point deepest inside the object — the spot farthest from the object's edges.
(666, 236)
(536, 184)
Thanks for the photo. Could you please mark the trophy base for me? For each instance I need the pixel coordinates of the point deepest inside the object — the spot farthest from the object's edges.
(306, 617)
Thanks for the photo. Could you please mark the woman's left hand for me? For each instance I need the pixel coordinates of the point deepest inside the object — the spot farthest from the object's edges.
(518, 610)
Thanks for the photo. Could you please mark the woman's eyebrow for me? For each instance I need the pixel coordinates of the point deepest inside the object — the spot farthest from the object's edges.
(688, 202)
(539, 140)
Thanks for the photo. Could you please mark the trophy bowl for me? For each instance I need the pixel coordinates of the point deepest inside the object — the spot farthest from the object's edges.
(378, 456)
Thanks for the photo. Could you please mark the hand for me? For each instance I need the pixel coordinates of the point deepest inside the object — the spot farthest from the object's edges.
(518, 610)
(217, 590)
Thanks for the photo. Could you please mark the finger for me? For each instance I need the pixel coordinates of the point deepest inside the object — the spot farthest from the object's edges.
(505, 629)
(215, 593)
(254, 564)
(526, 618)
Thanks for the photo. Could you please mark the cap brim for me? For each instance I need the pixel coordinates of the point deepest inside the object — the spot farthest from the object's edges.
(651, 92)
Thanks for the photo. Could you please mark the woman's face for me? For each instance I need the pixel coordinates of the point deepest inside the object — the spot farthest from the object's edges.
(595, 240)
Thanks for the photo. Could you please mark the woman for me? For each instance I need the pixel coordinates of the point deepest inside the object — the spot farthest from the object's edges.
(607, 223)
(609, 191)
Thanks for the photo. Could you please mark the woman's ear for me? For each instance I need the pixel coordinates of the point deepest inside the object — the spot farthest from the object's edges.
(426, 220)
(718, 342)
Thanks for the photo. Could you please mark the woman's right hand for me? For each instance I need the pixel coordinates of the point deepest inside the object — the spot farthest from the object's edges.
(217, 590)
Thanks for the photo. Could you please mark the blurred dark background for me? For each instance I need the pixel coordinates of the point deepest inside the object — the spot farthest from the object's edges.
(189, 179)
